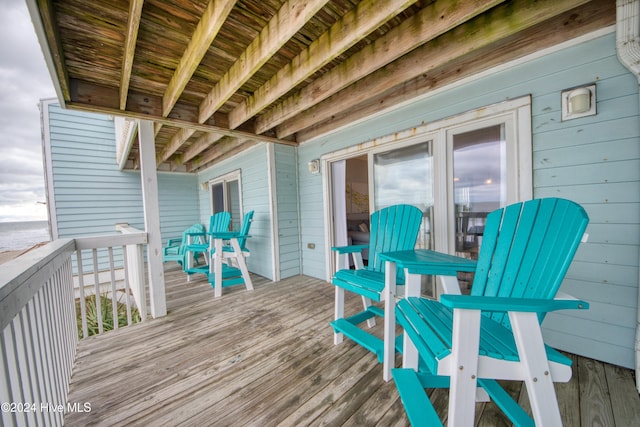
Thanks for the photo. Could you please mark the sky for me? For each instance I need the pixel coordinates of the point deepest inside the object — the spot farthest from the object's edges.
(24, 81)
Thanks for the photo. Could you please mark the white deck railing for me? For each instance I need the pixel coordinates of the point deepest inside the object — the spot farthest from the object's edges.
(38, 323)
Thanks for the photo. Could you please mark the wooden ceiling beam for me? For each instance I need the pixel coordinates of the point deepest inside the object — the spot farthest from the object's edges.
(498, 23)
(218, 150)
(212, 20)
(293, 15)
(204, 142)
(433, 21)
(131, 38)
(87, 96)
(176, 142)
(583, 20)
(346, 32)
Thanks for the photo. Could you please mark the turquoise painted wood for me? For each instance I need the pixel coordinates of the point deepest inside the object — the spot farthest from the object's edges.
(255, 195)
(217, 223)
(394, 228)
(592, 146)
(526, 251)
(176, 249)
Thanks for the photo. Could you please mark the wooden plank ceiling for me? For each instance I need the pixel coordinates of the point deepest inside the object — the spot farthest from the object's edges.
(219, 76)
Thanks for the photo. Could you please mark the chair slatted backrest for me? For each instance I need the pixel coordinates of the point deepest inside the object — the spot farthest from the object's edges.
(219, 222)
(527, 249)
(244, 230)
(394, 228)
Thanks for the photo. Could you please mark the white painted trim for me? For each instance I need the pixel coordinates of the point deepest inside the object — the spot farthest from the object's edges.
(273, 211)
(327, 202)
(125, 131)
(234, 175)
(151, 207)
(467, 80)
(34, 13)
(516, 111)
(48, 166)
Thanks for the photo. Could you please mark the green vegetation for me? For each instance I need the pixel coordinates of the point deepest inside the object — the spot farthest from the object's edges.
(106, 308)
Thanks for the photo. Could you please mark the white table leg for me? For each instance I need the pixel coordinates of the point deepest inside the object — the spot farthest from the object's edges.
(217, 267)
(412, 288)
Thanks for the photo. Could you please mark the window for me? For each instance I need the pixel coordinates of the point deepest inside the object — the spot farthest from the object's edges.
(455, 170)
(225, 197)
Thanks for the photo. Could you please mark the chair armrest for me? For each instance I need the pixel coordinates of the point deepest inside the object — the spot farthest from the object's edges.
(199, 233)
(226, 235)
(173, 242)
(502, 304)
(349, 249)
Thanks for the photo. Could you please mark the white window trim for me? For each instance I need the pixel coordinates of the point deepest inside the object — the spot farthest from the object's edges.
(515, 111)
(230, 176)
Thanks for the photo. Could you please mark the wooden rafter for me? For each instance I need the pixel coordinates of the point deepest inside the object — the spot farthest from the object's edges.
(182, 124)
(506, 21)
(176, 142)
(221, 149)
(251, 70)
(350, 29)
(436, 19)
(293, 15)
(133, 24)
(585, 19)
(204, 142)
(212, 19)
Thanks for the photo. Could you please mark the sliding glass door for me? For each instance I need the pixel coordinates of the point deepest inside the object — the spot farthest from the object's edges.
(405, 176)
(225, 197)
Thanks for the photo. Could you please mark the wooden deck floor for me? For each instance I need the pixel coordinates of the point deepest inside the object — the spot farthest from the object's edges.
(266, 358)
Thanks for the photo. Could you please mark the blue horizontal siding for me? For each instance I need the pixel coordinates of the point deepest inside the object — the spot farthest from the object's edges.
(253, 168)
(91, 194)
(593, 160)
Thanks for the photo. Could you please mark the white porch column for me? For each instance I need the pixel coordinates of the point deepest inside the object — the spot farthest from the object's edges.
(151, 206)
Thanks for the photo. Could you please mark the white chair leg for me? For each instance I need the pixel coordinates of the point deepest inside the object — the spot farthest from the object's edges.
(338, 313)
(389, 355)
(366, 303)
(464, 367)
(533, 357)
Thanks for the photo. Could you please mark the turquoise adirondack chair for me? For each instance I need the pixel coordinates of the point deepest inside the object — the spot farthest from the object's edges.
(200, 243)
(234, 251)
(176, 249)
(467, 342)
(394, 228)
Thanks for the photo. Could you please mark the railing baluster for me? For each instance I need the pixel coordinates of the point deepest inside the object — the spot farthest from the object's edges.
(45, 349)
(83, 302)
(25, 358)
(96, 282)
(125, 257)
(39, 325)
(114, 297)
(38, 371)
(16, 392)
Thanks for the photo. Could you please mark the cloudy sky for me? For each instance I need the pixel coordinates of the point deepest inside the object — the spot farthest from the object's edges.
(24, 80)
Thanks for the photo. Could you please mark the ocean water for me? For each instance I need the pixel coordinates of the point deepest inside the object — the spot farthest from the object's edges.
(16, 236)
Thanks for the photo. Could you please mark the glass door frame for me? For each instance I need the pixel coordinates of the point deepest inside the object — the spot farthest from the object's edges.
(515, 113)
(225, 180)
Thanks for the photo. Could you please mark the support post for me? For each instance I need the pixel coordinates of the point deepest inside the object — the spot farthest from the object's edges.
(151, 207)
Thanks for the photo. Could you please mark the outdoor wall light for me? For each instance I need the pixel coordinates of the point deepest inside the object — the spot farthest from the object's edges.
(578, 102)
(314, 166)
